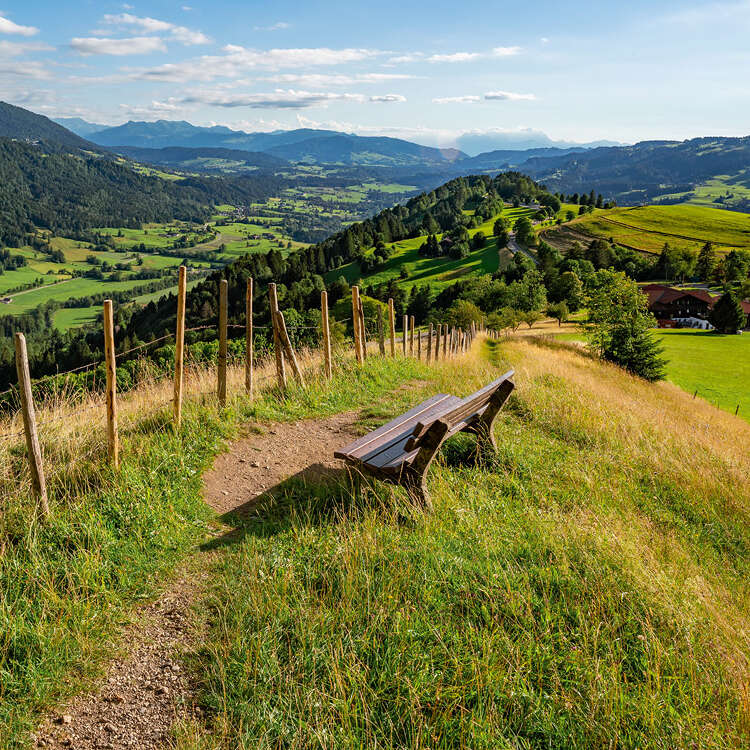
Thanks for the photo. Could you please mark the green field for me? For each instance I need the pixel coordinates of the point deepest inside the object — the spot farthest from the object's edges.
(722, 190)
(437, 272)
(716, 366)
(648, 228)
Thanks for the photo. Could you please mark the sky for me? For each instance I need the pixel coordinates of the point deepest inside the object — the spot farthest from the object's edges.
(426, 71)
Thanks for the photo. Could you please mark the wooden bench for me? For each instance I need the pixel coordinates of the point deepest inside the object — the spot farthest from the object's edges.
(402, 450)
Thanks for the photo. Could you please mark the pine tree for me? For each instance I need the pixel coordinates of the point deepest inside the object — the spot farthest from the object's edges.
(620, 326)
(727, 315)
(706, 262)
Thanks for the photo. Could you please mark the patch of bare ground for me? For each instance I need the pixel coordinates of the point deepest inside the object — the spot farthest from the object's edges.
(147, 688)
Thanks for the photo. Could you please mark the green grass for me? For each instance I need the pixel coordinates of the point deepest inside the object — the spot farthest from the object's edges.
(647, 228)
(550, 600)
(585, 588)
(716, 366)
(24, 301)
(437, 272)
(721, 191)
(72, 317)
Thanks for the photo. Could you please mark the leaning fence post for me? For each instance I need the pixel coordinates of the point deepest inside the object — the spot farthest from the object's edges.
(179, 349)
(278, 353)
(38, 482)
(326, 333)
(287, 344)
(249, 337)
(392, 324)
(113, 442)
(356, 324)
(222, 385)
(381, 332)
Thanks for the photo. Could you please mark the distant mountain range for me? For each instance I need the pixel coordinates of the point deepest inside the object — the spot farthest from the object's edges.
(522, 140)
(642, 172)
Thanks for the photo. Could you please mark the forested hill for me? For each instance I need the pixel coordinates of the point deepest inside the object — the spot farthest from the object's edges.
(300, 276)
(639, 173)
(70, 193)
(20, 124)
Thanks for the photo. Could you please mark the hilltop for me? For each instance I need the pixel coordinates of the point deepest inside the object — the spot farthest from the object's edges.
(21, 124)
(605, 545)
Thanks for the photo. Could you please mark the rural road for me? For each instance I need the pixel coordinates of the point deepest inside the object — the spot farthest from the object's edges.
(514, 247)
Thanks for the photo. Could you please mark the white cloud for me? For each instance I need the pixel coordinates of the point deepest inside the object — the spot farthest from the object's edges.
(506, 51)
(279, 99)
(8, 27)
(388, 98)
(14, 49)
(456, 100)
(508, 96)
(455, 57)
(187, 8)
(147, 25)
(137, 45)
(544, 40)
(325, 79)
(413, 57)
(237, 61)
(25, 69)
(278, 26)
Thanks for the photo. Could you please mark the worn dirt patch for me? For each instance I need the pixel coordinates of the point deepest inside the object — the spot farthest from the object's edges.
(254, 465)
(147, 689)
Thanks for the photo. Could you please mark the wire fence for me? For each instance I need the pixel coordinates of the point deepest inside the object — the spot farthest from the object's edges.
(64, 435)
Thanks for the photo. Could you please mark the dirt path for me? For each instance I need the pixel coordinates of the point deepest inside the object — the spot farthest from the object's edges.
(147, 689)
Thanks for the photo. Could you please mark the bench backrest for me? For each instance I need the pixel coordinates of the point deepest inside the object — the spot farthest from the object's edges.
(456, 417)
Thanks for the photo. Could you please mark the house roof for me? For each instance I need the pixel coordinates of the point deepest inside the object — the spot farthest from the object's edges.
(665, 295)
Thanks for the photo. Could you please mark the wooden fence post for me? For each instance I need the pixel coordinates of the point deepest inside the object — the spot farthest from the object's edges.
(222, 385)
(429, 344)
(326, 333)
(419, 345)
(411, 335)
(381, 331)
(392, 325)
(38, 482)
(356, 324)
(249, 337)
(278, 353)
(287, 344)
(113, 441)
(438, 330)
(179, 350)
(362, 331)
(406, 332)
(445, 341)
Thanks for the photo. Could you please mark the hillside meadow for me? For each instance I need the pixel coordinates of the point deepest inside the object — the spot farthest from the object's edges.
(585, 588)
(683, 226)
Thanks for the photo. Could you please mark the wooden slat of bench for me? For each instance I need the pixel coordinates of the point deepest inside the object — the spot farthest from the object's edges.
(390, 429)
(396, 449)
(467, 408)
(409, 454)
(394, 443)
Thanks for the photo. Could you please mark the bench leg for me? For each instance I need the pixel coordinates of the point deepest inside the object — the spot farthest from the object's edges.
(416, 489)
(485, 427)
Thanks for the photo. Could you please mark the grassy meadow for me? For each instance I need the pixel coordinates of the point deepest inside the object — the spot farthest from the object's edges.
(437, 272)
(585, 588)
(647, 228)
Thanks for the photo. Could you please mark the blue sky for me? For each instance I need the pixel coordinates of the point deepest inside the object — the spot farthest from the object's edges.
(424, 71)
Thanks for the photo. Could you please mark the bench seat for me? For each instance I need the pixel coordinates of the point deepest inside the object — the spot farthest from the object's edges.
(402, 450)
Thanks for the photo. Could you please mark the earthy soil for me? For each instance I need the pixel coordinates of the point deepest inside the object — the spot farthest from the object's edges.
(147, 689)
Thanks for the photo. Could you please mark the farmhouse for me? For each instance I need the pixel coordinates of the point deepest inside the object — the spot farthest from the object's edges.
(683, 307)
